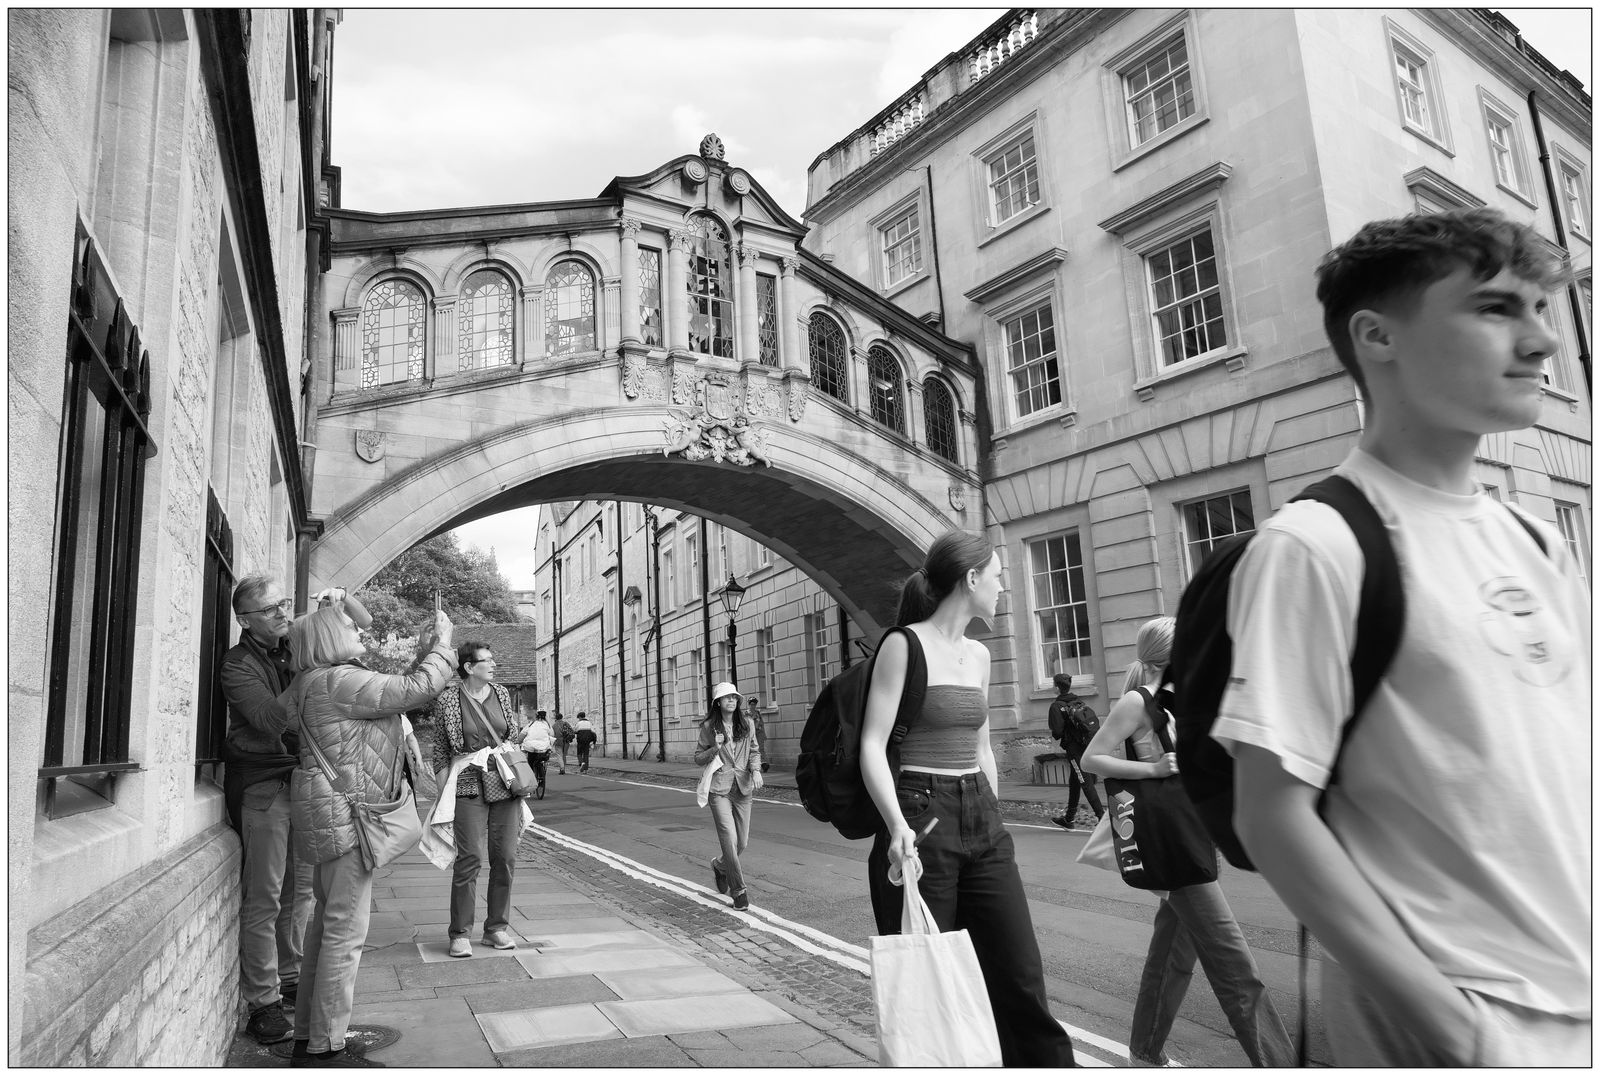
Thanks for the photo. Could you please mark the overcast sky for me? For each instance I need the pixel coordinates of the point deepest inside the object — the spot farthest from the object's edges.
(437, 109)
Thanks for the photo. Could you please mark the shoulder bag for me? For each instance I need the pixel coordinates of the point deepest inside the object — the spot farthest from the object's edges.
(510, 766)
(384, 831)
(1159, 839)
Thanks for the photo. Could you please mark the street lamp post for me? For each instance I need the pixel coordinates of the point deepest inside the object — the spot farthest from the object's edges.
(732, 596)
(653, 526)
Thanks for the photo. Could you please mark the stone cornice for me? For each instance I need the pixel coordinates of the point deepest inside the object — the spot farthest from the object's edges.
(1558, 100)
(836, 285)
(1017, 274)
(1442, 189)
(1207, 179)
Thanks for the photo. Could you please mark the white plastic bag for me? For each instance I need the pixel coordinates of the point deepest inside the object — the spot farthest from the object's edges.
(927, 989)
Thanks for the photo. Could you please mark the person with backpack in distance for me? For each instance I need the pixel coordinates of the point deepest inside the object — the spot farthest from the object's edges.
(583, 733)
(1439, 847)
(1195, 920)
(944, 772)
(536, 742)
(727, 735)
(564, 737)
(1073, 725)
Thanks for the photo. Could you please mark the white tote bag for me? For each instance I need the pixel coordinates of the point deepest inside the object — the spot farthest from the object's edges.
(927, 988)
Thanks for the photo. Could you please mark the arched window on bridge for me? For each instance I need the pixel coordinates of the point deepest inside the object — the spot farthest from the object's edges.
(939, 418)
(569, 310)
(483, 318)
(710, 288)
(885, 382)
(829, 357)
(393, 334)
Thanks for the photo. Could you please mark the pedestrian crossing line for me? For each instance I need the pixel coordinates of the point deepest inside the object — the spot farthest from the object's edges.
(841, 952)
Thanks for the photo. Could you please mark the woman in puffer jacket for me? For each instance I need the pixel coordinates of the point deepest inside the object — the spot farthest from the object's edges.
(354, 715)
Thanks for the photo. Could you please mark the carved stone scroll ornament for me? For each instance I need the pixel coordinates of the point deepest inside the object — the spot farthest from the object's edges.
(797, 399)
(633, 368)
(369, 445)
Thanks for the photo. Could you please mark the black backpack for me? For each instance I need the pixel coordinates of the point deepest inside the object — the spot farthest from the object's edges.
(1202, 653)
(828, 773)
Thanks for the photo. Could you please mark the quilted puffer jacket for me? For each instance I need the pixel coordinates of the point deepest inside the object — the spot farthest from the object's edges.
(354, 714)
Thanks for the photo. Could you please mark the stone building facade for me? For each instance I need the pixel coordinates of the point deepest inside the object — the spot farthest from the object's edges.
(1122, 209)
(165, 170)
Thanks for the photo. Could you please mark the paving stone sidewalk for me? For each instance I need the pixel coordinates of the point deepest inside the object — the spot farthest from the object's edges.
(607, 971)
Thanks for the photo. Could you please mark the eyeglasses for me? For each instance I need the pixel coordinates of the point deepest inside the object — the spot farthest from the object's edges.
(283, 608)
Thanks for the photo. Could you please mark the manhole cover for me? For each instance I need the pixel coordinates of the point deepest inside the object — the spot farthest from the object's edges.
(367, 1037)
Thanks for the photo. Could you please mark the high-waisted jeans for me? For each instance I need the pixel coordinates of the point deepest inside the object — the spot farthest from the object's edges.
(484, 831)
(730, 813)
(970, 882)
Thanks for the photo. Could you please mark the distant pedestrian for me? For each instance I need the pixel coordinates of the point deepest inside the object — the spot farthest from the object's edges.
(564, 737)
(1194, 921)
(537, 739)
(726, 735)
(1077, 725)
(487, 813)
(966, 863)
(761, 731)
(583, 734)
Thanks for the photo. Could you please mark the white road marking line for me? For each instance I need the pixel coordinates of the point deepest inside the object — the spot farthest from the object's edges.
(843, 953)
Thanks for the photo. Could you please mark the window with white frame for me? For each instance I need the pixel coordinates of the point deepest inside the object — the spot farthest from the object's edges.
(669, 579)
(1569, 522)
(1060, 605)
(721, 666)
(1574, 195)
(1186, 297)
(1158, 90)
(1013, 180)
(1416, 85)
(1207, 522)
(902, 248)
(689, 687)
(691, 566)
(1505, 148)
(673, 677)
(1031, 362)
(766, 666)
(821, 661)
(1555, 366)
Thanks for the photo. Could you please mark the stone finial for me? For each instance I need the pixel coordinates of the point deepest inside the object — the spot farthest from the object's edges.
(711, 148)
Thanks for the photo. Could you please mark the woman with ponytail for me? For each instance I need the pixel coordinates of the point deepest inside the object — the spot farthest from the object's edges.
(965, 865)
(1192, 921)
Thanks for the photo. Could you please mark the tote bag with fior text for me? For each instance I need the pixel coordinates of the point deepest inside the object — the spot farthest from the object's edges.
(928, 993)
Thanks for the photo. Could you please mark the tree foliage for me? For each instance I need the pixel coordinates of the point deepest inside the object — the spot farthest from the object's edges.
(400, 597)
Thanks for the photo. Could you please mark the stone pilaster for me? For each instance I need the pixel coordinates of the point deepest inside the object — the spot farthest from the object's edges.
(914, 427)
(347, 349)
(789, 356)
(533, 312)
(675, 297)
(445, 359)
(630, 281)
(607, 327)
(748, 316)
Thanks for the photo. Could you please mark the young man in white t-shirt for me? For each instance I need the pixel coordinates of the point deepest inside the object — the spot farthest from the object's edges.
(1448, 873)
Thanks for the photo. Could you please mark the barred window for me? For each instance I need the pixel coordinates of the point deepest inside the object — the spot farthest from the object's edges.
(883, 376)
(939, 418)
(393, 334)
(1186, 298)
(1061, 605)
(767, 318)
(569, 310)
(710, 289)
(1160, 91)
(1205, 523)
(483, 320)
(830, 358)
(216, 612)
(1031, 360)
(650, 296)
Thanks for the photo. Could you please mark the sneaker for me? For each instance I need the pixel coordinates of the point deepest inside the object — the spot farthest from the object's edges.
(347, 1058)
(1064, 822)
(499, 939)
(718, 877)
(302, 1056)
(286, 996)
(741, 900)
(268, 1025)
(461, 946)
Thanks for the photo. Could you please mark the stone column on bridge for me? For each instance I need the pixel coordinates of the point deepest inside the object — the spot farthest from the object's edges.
(860, 383)
(913, 410)
(445, 359)
(347, 349)
(675, 300)
(607, 327)
(533, 318)
(630, 281)
(789, 357)
(745, 303)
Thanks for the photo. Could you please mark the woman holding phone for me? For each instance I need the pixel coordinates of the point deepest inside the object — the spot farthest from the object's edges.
(964, 865)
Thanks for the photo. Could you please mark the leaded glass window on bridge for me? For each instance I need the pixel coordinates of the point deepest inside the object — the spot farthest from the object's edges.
(569, 310)
(710, 289)
(883, 375)
(767, 318)
(483, 320)
(829, 357)
(393, 334)
(650, 297)
(939, 418)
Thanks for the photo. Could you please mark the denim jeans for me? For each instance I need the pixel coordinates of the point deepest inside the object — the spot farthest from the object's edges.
(1078, 780)
(1196, 921)
(338, 930)
(484, 831)
(730, 812)
(277, 901)
(970, 882)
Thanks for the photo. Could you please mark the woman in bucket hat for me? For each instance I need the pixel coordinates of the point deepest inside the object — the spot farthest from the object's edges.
(728, 747)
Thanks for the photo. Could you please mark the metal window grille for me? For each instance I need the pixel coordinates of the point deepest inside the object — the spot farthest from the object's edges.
(105, 445)
(1061, 605)
(1014, 179)
(1186, 297)
(902, 248)
(1205, 523)
(939, 418)
(829, 357)
(650, 296)
(767, 318)
(883, 377)
(1160, 91)
(710, 294)
(393, 334)
(1031, 360)
(484, 318)
(569, 310)
(216, 612)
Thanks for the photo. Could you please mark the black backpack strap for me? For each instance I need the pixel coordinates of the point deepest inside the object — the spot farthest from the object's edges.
(1527, 525)
(1158, 720)
(914, 688)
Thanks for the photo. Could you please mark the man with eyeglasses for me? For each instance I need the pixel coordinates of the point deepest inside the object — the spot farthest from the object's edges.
(261, 751)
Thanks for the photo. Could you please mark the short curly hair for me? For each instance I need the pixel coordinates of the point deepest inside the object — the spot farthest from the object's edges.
(1389, 263)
